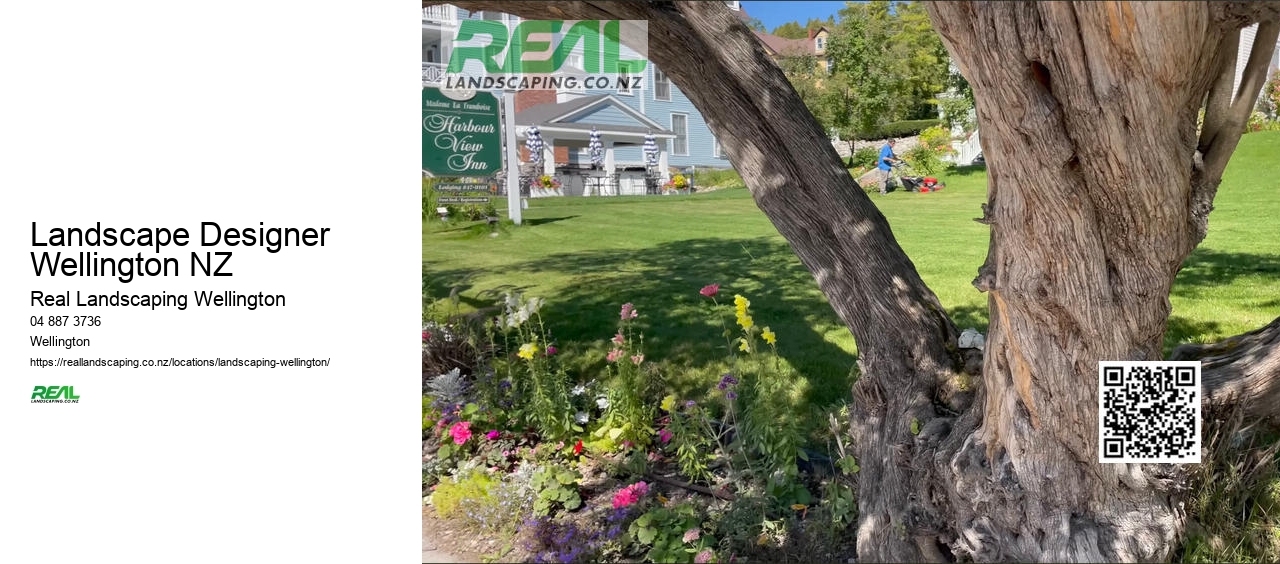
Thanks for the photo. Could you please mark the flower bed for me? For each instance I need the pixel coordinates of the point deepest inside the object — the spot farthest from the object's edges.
(613, 465)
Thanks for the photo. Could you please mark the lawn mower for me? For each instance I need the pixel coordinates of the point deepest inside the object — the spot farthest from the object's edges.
(916, 183)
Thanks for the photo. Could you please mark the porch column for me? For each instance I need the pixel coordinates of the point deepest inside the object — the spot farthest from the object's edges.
(610, 163)
(549, 156)
(663, 167)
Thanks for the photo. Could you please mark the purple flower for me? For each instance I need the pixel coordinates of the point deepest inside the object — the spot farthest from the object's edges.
(731, 395)
(665, 436)
(690, 404)
(727, 381)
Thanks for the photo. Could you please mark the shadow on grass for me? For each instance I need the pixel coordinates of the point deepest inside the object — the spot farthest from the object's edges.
(1207, 267)
(680, 325)
(546, 220)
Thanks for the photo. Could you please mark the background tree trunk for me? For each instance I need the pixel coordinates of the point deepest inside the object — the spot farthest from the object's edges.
(1088, 113)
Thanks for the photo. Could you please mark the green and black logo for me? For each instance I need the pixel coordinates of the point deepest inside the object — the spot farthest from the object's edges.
(54, 394)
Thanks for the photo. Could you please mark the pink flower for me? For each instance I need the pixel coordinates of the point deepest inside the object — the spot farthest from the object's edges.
(637, 359)
(630, 494)
(460, 432)
(550, 350)
(493, 435)
(703, 557)
(629, 311)
(619, 339)
(426, 335)
(615, 354)
(710, 290)
(665, 436)
(692, 535)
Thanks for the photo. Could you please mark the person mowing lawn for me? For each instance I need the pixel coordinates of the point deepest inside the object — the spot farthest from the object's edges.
(885, 165)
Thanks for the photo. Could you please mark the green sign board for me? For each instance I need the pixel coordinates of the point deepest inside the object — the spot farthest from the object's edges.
(460, 138)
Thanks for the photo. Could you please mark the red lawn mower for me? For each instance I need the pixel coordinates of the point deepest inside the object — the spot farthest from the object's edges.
(917, 183)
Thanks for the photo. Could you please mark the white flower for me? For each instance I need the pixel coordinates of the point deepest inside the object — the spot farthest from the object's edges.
(579, 390)
(603, 402)
(512, 300)
(581, 417)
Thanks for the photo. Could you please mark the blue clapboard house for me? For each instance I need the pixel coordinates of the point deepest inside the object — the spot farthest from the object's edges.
(565, 118)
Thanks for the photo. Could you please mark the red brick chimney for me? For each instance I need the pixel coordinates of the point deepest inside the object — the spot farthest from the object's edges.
(526, 99)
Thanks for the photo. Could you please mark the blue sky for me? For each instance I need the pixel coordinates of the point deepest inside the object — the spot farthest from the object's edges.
(774, 14)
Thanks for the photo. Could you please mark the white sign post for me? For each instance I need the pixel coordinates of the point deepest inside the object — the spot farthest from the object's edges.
(513, 156)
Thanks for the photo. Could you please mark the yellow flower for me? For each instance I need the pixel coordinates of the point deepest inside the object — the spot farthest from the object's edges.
(746, 322)
(742, 345)
(662, 499)
(799, 506)
(668, 402)
(741, 303)
(527, 351)
(768, 336)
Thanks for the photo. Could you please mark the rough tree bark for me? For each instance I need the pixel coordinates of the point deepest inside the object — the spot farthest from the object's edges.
(1098, 190)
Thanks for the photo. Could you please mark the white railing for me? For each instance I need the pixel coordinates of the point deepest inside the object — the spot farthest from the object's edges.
(432, 73)
(445, 14)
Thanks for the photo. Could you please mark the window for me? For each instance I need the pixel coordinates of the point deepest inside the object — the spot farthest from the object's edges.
(624, 71)
(716, 151)
(831, 66)
(680, 125)
(821, 42)
(661, 85)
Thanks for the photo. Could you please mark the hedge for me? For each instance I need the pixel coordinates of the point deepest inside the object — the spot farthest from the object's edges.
(900, 129)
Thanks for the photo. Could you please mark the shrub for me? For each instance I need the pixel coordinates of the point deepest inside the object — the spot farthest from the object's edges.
(937, 138)
(716, 177)
(900, 129)
(924, 159)
(466, 488)
(864, 157)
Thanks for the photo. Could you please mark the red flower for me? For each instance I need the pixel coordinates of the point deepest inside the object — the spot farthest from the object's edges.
(710, 290)
(577, 448)
(426, 336)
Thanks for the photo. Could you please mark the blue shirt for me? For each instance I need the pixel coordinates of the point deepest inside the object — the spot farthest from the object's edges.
(885, 153)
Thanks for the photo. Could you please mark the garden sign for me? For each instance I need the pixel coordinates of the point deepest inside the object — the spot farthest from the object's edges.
(460, 138)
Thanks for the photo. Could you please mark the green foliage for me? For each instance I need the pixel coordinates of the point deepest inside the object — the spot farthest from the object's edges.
(1259, 121)
(692, 446)
(1235, 495)
(838, 500)
(925, 160)
(904, 128)
(865, 157)
(557, 488)
(791, 30)
(452, 494)
(937, 138)
(539, 386)
(633, 388)
(664, 530)
(429, 196)
(756, 24)
(770, 425)
(889, 65)
(716, 177)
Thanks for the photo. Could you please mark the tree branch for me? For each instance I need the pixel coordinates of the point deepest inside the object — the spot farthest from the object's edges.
(1243, 370)
(1219, 137)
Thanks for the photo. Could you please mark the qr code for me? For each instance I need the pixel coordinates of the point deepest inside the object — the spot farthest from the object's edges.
(1149, 412)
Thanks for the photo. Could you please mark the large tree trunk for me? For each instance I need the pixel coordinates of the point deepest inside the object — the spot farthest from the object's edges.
(1098, 189)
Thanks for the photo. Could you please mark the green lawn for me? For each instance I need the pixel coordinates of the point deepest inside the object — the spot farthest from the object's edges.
(587, 256)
